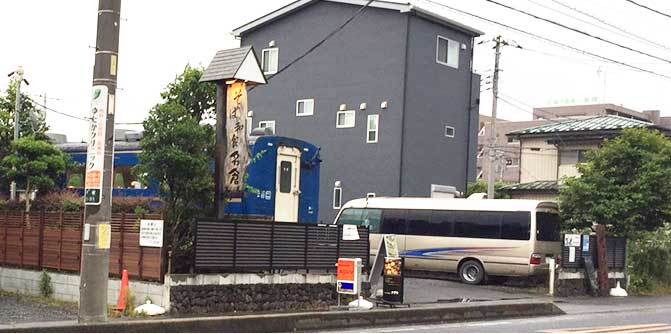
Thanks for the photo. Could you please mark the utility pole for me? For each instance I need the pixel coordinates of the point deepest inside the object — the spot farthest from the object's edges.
(17, 126)
(99, 168)
(492, 122)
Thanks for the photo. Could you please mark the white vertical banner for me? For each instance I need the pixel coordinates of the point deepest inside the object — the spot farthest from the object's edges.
(95, 151)
(237, 156)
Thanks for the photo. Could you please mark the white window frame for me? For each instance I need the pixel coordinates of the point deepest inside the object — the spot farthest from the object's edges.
(482, 132)
(268, 125)
(339, 198)
(370, 195)
(306, 102)
(369, 129)
(454, 131)
(353, 112)
(249, 124)
(449, 42)
(277, 59)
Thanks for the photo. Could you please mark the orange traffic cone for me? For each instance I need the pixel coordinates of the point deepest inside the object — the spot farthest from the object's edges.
(123, 292)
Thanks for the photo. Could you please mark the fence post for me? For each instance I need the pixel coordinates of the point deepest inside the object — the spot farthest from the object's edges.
(272, 244)
(602, 260)
(121, 243)
(40, 241)
(81, 242)
(305, 260)
(21, 224)
(338, 230)
(4, 256)
(141, 252)
(60, 241)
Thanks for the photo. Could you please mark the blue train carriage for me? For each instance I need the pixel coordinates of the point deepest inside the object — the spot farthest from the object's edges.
(125, 158)
(282, 181)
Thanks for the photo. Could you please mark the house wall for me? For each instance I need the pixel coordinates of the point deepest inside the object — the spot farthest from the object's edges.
(363, 63)
(571, 170)
(540, 165)
(437, 95)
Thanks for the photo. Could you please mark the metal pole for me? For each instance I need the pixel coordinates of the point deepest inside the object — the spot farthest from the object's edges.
(17, 126)
(492, 122)
(95, 250)
(220, 151)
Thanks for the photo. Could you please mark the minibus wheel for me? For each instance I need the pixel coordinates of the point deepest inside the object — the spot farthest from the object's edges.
(471, 272)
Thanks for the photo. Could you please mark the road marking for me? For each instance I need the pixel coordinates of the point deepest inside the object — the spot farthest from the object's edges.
(620, 329)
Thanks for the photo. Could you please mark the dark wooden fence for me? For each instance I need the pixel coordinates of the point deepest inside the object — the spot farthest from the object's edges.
(53, 240)
(616, 247)
(263, 246)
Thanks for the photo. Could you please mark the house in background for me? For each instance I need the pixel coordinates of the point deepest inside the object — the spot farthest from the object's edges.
(508, 147)
(552, 151)
(391, 98)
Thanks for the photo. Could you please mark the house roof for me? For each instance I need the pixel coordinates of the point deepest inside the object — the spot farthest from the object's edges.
(588, 124)
(239, 63)
(536, 186)
(403, 7)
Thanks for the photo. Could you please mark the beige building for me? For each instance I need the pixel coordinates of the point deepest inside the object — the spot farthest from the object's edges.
(508, 149)
(549, 153)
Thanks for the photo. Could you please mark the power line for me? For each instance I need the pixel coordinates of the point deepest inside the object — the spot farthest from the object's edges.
(58, 112)
(648, 8)
(602, 21)
(322, 41)
(579, 31)
(545, 39)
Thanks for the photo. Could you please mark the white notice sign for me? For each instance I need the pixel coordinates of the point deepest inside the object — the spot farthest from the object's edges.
(95, 151)
(350, 232)
(151, 233)
(572, 240)
(571, 254)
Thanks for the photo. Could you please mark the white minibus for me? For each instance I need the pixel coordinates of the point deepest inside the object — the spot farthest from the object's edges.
(474, 238)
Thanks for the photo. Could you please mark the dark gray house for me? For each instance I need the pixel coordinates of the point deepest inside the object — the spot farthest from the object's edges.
(391, 99)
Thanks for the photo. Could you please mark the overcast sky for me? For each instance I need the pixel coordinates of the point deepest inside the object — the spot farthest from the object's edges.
(53, 41)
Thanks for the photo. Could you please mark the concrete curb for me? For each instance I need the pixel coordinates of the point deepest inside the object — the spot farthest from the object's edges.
(308, 321)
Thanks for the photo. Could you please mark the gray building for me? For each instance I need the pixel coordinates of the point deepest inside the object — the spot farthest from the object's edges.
(391, 99)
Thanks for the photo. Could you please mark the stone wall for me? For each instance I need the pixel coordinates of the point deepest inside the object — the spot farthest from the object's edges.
(66, 286)
(201, 299)
(574, 283)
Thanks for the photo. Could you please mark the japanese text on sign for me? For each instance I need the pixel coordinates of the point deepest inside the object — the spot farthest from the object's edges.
(237, 156)
(151, 233)
(95, 151)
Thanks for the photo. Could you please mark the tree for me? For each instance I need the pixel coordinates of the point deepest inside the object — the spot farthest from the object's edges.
(174, 153)
(26, 126)
(480, 186)
(198, 98)
(34, 164)
(625, 184)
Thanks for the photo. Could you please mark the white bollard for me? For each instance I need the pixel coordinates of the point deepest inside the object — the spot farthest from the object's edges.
(551, 265)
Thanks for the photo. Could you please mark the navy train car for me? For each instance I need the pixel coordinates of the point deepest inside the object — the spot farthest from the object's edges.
(282, 181)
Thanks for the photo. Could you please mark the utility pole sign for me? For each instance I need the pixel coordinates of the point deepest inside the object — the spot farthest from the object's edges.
(99, 169)
(95, 152)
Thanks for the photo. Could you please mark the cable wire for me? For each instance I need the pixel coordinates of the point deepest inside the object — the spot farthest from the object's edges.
(579, 31)
(58, 112)
(648, 8)
(545, 39)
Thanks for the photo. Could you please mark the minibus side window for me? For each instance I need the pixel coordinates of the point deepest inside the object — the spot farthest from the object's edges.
(393, 222)
(516, 225)
(419, 222)
(369, 218)
(473, 224)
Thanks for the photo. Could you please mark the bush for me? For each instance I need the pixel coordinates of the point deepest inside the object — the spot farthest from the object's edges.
(46, 288)
(67, 201)
(649, 259)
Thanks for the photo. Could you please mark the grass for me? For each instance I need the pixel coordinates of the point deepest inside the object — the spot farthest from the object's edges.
(657, 289)
(39, 299)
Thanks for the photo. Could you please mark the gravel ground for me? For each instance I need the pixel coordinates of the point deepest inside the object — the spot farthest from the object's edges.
(19, 309)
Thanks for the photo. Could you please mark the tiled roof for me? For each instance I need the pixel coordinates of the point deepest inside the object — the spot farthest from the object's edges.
(533, 186)
(225, 64)
(596, 123)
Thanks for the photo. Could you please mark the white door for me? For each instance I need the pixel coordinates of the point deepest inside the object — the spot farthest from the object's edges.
(287, 184)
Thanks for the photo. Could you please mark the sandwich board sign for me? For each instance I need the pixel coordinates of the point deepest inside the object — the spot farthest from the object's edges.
(348, 276)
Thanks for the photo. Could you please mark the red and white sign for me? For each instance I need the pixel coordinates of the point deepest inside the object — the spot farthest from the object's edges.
(348, 276)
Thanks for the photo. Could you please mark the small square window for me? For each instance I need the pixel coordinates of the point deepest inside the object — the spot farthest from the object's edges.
(345, 119)
(449, 131)
(372, 128)
(269, 60)
(305, 107)
(370, 195)
(447, 52)
(267, 124)
(337, 197)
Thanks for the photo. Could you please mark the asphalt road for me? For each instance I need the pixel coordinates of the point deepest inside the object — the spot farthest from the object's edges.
(596, 315)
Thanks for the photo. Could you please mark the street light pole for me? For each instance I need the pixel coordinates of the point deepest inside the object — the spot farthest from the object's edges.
(17, 126)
